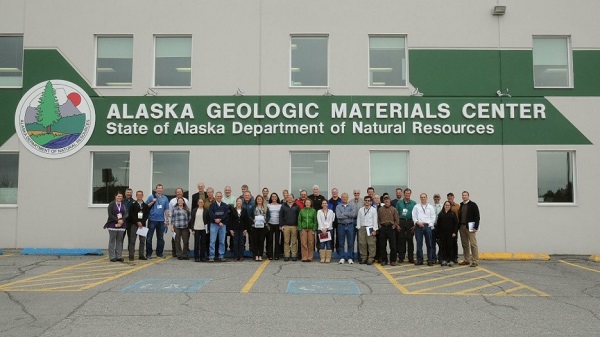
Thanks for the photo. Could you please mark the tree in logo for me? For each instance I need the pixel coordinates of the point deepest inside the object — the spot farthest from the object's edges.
(48, 109)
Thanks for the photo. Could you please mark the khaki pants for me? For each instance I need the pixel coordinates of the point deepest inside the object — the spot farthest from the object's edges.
(469, 244)
(366, 245)
(307, 240)
(290, 237)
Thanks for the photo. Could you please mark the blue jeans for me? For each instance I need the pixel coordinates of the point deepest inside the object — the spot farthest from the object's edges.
(214, 231)
(346, 234)
(325, 245)
(425, 232)
(159, 226)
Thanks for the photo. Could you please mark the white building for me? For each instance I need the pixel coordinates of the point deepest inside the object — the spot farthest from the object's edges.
(505, 106)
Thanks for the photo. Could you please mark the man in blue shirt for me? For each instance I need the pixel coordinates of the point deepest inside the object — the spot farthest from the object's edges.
(159, 211)
(406, 228)
(345, 215)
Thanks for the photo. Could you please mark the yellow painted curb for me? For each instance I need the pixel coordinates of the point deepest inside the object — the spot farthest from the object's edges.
(515, 256)
(595, 258)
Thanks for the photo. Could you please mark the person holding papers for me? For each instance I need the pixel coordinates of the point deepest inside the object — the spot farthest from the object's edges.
(180, 216)
(325, 218)
(259, 214)
(307, 223)
(173, 204)
(367, 226)
(117, 213)
(138, 215)
(468, 219)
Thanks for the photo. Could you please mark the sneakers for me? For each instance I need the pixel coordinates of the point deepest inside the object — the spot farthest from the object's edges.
(350, 261)
(444, 263)
(451, 264)
(474, 264)
(464, 263)
(342, 261)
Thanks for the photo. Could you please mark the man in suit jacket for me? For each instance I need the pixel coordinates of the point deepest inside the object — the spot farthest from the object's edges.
(468, 213)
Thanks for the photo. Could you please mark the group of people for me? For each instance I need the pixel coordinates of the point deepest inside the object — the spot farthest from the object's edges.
(384, 228)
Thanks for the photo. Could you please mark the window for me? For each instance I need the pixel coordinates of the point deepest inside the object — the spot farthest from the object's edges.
(555, 176)
(11, 61)
(110, 175)
(389, 170)
(551, 62)
(114, 61)
(387, 61)
(171, 169)
(309, 169)
(9, 178)
(173, 61)
(309, 61)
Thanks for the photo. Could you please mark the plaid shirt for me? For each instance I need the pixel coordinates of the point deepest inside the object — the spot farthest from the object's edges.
(180, 217)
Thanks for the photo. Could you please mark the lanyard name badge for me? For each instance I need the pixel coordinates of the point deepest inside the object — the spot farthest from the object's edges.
(404, 210)
(119, 215)
(140, 213)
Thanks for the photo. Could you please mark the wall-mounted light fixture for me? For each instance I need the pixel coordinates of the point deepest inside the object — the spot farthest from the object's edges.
(499, 10)
(416, 93)
(504, 93)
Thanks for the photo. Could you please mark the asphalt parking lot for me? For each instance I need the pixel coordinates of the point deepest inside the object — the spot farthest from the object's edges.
(88, 295)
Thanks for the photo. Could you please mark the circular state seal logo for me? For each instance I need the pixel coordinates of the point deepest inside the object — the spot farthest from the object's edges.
(55, 119)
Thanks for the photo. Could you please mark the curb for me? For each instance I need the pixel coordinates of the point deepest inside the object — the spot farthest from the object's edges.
(514, 256)
(61, 251)
(595, 258)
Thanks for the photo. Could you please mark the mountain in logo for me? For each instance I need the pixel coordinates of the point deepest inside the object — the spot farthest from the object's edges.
(54, 121)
